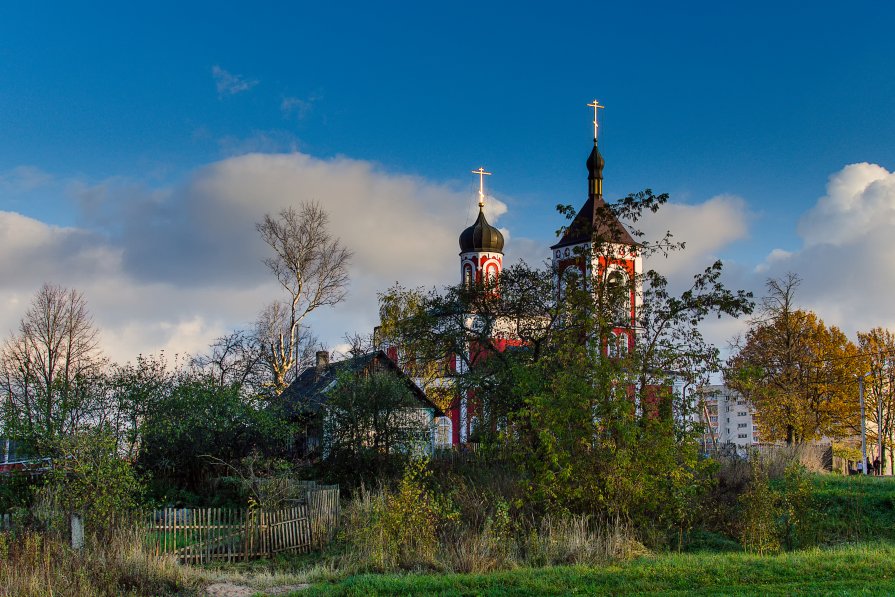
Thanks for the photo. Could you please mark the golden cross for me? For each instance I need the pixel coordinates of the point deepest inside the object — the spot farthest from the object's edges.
(482, 174)
(596, 106)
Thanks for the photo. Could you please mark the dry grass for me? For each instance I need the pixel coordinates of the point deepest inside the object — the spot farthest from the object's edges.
(490, 540)
(35, 564)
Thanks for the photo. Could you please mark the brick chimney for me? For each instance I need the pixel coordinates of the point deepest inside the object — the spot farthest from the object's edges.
(322, 360)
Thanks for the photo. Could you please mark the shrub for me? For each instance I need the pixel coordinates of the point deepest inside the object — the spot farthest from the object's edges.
(758, 532)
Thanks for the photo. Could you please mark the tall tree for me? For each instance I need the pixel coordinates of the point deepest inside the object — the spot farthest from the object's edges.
(796, 371)
(312, 267)
(878, 349)
(50, 369)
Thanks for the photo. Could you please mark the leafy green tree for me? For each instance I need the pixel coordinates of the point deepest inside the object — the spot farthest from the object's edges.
(590, 428)
(372, 424)
(90, 477)
(197, 419)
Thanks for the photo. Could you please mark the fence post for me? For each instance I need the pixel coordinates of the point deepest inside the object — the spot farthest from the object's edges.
(77, 531)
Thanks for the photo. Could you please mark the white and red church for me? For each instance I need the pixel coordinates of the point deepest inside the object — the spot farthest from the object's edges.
(594, 244)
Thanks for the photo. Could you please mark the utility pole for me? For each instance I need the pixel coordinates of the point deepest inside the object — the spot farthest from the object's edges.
(863, 424)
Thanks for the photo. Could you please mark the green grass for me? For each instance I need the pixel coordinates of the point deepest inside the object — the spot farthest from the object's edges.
(855, 508)
(864, 569)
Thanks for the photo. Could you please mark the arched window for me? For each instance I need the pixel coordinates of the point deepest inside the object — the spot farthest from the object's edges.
(467, 275)
(618, 295)
(621, 341)
(443, 432)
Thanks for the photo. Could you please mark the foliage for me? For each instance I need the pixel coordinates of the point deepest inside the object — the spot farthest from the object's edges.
(796, 371)
(372, 424)
(758, 532)
(118, 563)
(197, 419)
(90, 478)
(399, 528)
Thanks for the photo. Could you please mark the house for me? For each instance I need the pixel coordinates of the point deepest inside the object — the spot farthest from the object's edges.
(406, 423)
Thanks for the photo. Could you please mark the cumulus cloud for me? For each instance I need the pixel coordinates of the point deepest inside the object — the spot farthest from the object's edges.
(228, 83)
(847, 261)
(174, 267)
(706, 228)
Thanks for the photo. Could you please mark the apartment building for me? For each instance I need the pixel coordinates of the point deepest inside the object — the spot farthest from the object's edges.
(728, 418)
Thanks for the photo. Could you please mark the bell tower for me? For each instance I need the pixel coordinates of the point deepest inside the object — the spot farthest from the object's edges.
(481, 245)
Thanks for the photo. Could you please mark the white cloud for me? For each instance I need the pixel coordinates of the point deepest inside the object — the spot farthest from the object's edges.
(706, 228)
(24, 178)
(171, 268)
(295, 107)
(228, 83)
(847, 261)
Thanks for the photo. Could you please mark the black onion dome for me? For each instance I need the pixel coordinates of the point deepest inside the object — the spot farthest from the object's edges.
(481, 237)
(595, 163)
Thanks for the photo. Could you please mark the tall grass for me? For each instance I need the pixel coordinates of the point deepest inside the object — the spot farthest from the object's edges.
(114, 563)
(445, 541)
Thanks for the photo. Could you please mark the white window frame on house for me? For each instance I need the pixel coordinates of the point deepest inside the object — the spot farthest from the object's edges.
(444, 432)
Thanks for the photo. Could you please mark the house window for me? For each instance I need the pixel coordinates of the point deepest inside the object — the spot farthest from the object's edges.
(742, 436)
(443, 432)
(741, 426)
(742, 414)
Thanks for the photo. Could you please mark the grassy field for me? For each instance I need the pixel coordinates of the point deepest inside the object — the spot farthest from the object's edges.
(863, 569)
(856, 523)
(855, 508)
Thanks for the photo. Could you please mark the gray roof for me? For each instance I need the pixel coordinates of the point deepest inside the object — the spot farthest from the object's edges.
(310, 389)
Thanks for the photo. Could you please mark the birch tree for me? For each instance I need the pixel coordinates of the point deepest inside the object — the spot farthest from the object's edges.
(311, 265)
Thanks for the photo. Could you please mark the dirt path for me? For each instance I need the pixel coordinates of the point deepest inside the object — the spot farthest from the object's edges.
(227, 589)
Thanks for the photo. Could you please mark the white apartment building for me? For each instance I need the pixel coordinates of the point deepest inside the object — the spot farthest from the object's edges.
(728, 418)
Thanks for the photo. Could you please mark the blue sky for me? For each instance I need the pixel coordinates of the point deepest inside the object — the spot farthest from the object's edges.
(112, 109)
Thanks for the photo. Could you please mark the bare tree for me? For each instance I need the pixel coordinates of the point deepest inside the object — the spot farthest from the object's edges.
(312, 267)
(235, 358)
(50, 370)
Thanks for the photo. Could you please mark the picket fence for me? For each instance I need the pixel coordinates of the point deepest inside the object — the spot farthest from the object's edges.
(203, 535)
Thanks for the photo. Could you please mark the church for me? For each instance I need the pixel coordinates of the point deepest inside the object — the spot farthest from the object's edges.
(595, 244)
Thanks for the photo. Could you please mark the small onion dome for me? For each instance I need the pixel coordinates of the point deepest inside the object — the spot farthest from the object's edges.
(481, 237)
(595, 163)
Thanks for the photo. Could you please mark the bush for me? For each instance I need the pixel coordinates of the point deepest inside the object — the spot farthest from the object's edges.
(758, 532)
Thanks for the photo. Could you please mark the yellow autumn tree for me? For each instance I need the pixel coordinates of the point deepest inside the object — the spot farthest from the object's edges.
(797, 372)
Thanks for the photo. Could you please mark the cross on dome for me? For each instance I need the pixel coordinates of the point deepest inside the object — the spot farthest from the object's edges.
(482, 174)
(596, 106)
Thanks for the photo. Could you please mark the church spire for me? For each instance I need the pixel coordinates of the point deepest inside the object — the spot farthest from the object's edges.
(595, 161)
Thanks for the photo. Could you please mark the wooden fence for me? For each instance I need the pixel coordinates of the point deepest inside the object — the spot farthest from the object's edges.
(201, 535)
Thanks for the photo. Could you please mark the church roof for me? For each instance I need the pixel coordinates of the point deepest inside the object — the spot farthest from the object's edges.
(595, 218)
(481, 237)
(595, 213)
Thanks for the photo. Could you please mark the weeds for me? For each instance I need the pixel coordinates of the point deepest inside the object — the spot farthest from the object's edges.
(36, 564)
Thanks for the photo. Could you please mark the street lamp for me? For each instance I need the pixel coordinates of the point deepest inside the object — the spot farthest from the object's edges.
(863, 425)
